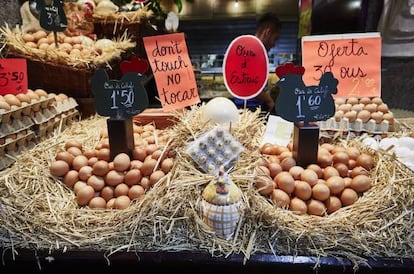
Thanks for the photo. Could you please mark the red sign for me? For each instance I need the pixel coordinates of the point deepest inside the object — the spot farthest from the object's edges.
(245, 67)
(13, 76)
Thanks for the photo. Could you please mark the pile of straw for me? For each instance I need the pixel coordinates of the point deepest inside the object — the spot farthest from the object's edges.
(16, 46)
(38, 211)
(123, 17)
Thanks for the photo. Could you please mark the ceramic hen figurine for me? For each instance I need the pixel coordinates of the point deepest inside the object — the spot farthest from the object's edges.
(221, 205)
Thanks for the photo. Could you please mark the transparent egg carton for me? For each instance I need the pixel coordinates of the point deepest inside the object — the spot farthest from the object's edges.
(214, 149)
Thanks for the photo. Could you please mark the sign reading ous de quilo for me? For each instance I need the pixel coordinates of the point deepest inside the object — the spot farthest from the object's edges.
(172, 69)
(245, 67)
(354, 59)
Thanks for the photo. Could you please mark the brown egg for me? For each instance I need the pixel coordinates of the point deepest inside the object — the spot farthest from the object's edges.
(295, 171)
(79, 161)
(157, 154)
(336, 184)
(90, 153)
(298, 206)
(262, 170)
(12, 100)
(85, 194)
(285, 182)
(92, 161)
(383, 108)
(133, 177)
(150, 149)
(389, 117)
(352, 100)
(23, 98)
(78, 186)
(41, 93)
(122, 202)
(97, 203)
(264, 185)
(145, 183)
(59, 168)
(347, 181)
(281, 198)
(345, 107)
(39, 34)
(351, 164)
(376, 100)
(348, 196)
(136, 192)
(4, 105)
(114, 178)
(365, 100)
(342, 169)
(316, 168)
(156, 176)
(329, 171)
(100, 168)
(365, 161)
(302, 190)
(339, 115)
(32, 45)
(287, 163)
(97, 182)
(71, 178)
(148, 166)
(351, 115)
(340, 100)
(107, 193)
(167, 164)
(358, 170)
(121, 190)
(284, 155)
(65, 156)
(85, 172)
(371, 107)
(121, 162)
(377, 116)
(324, 160)
(357, 107)
(364, 115)
(75, 151)
(320, 192)
(361, 183)
(340, 157)
(267, 149)
(136, 164)
(309, 176)
(333, 204)
(104, 154)
(352, 152)
(111, 203)
(316, 207)
(27, 37)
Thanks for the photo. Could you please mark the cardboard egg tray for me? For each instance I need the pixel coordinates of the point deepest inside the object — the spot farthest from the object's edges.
(14, 126)
(66, 105)
(13, 147)
(331, 126)
(25, 109)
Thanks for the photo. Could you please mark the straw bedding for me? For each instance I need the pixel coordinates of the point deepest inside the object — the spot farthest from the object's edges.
(39, 212)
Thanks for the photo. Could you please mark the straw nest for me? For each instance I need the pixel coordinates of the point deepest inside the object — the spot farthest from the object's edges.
(123, 17)
(38, 211)
(15, 45)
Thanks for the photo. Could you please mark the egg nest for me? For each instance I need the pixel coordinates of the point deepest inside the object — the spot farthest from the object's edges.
(39, 212)
(15, 45)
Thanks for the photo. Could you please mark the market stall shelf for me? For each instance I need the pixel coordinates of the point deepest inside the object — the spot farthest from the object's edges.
(40, 213)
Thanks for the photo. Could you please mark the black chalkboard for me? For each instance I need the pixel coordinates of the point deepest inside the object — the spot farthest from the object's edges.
(297, 102)
(52, 16)
(119, 99)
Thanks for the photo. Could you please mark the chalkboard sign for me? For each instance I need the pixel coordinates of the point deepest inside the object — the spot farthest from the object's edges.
(52, 15)
(298, 102)
(245, 68)
(118, 99)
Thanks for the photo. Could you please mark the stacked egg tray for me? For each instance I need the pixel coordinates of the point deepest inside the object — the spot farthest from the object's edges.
(22, 127)
(358, 116)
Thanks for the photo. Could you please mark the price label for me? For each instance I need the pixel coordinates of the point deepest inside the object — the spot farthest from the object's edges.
(119, 99)
(298, 102)
(13, 76)
(52, 15)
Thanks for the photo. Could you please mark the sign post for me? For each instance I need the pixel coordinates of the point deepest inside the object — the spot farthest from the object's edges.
(303, 105)
(120, 100)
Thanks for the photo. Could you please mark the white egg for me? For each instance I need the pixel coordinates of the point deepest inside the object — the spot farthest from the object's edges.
(388, 142)
(403, 153)
(370, 142)
(104, 44)
(407, 142)
(220, 110)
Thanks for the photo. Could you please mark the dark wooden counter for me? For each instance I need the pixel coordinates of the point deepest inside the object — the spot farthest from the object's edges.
(27, 261)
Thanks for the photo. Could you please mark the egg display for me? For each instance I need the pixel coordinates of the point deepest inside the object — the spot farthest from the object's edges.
(359, 115)
(338, 179)
(114, 183)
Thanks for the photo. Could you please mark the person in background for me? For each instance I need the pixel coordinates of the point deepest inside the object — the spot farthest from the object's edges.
(268, 31)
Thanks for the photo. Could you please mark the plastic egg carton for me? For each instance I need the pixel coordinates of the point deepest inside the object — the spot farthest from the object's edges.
(344, 125)
(214, 149)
